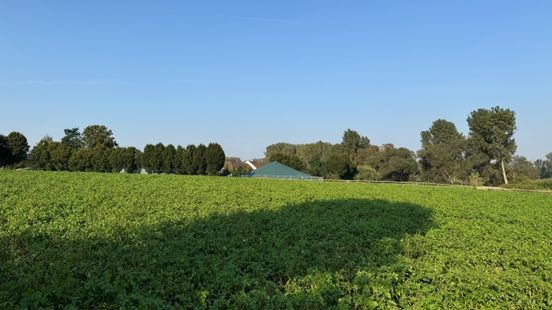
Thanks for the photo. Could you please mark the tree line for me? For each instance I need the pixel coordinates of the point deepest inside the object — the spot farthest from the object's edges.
(485, 156)
(97, 150)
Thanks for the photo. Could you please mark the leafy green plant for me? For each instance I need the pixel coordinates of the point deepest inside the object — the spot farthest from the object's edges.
(91, 240)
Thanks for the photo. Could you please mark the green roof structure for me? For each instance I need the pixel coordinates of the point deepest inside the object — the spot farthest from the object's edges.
(275, 170)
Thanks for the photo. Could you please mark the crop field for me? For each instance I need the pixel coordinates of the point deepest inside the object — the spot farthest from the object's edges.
(542, 185)
(87, 240)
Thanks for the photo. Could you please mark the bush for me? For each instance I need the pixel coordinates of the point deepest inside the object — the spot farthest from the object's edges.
(366, 173)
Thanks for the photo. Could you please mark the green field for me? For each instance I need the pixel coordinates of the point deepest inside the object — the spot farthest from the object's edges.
(541, 185)
(91, 240)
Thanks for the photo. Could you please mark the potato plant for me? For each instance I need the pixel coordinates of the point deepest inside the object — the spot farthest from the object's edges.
(87, 240)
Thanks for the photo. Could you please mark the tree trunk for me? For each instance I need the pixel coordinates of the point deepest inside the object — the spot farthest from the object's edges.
(504, 172)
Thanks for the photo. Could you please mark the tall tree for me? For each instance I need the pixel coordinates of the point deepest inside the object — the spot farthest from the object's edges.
(5, 152)
(40, 157)
(178, 160)
(169, 154)
(98, 136)
(72, 138)
(215, 158)
(19, 147)
(492, 132)
(443, 153)
(523, 169)
(281, 148)
(340, 166)
(190, 161)
(124, 158)
(147, 159)
(199, 159)
(81, 160)
(544, 167)
(157, 158)
(100, 159)
(60, 154)
(352, 141)
(394, 164)
(548, 164)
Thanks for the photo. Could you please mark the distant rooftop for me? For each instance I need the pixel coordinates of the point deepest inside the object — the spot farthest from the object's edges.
(276, 170)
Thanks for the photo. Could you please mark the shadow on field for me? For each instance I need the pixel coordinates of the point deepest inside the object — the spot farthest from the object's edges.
(312, 255)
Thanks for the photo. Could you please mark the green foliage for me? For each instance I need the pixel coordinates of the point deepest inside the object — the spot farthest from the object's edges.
(168, 157)
(290, 161)
(492, 133)
(532, 185)
(475, 179)
(340, 161)
(13, 149)
(190, 161)
(157, 158)
(544, 167)
(100, 159)
(522, 169)
(5, 152)
(179, 160)
(317, 167)
(19, 147)
(394, 164)
(147, 159)
(72, 138)
(367, 173)
(339, 166)
(40, 157)
(98, 136)
(352, 142)
(60, 154)
(215, 158)
(76, 240)
(124, 158)
(442, 154)
(96, 150)
(198, 159)
(492, 130)
(281, 148)
(313, 156)
(81, 160)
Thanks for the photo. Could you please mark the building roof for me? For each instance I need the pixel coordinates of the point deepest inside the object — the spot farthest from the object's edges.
(275, 170)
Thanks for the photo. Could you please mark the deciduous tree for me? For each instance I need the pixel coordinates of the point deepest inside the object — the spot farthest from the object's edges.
(352, 141)
(5, 152)
(72, 138)
(98, 136)
(522, 169)
(442, 156)
(19, 147)
(40, 157)
(492, 132)
(394, 164)
(544, 167)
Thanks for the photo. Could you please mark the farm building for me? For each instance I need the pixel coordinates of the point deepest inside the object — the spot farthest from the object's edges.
(275, 170)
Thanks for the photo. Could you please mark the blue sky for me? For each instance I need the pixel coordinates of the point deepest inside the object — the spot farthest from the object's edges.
(251, 73)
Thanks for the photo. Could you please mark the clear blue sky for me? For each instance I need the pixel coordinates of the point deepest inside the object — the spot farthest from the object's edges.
(251, 73)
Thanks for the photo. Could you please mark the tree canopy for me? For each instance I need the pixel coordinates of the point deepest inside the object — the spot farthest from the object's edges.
(98, 136)
(492, 133)
(442, 157)
(96, 150)
(215, 158)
